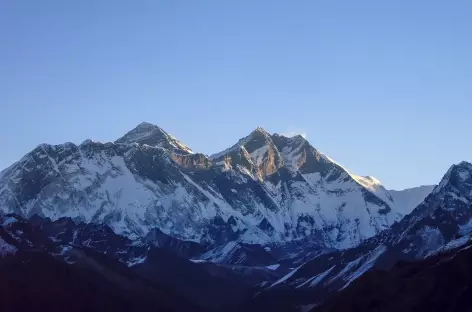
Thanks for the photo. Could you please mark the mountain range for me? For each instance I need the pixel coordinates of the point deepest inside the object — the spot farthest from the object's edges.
(264, 189)
(271, 220)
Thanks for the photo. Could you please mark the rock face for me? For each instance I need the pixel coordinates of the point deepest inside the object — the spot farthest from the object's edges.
(265, 189)
(271, 221)
(440, 223)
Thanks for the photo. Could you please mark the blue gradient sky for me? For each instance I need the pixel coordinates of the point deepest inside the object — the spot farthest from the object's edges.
(383, 87)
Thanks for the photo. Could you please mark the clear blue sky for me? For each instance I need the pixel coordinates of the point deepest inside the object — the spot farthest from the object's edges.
(383, 87)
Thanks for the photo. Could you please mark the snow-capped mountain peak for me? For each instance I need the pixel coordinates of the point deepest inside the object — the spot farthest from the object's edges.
(264, 189)
(257, 135)
(149, 134)
(458, 175)
(262, 131)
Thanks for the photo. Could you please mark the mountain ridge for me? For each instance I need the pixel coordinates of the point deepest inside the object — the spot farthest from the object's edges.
(440, 223)
(264, 189)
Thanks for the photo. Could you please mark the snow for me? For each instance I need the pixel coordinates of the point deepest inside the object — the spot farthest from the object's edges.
(6, 249)
(239, 144)
(286, 277)
(199, 261)
(221, 253)
(136, 261)
(146, 130)
(375, 187)
(9, 220)
(273, 267)
(432, 240)
(464, 175)
(456, 243)
(219, 201)
(466, 228)
(315, 280)
(408, 199)
(366, 265)
(291, 153)
(102, 187)
(258, 155)
(65, 250)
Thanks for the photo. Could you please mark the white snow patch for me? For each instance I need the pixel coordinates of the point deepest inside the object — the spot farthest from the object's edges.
(9, 220)
(408, 199)
(315, 280)
(136, 261)
(375, 187)
(6, 249)
(273, 267)
(65, 250)
(257, 155)
(199, 261)
(456, 243)
(432, 240)
(367, 264)
(221, 253)
(466, 228)
(286, 277)
(464, 175)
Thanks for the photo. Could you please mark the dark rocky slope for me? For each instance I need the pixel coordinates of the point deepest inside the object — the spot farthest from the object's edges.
(441, 283)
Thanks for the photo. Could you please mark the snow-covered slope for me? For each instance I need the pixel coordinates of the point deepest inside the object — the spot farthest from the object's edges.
(440, 223)
(265, 189)
(149, 134)
(311, 192)
(407, 200)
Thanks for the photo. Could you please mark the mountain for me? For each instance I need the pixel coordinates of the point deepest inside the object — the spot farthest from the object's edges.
(440, 223)
(41, 274)
(146, 276)
(438, 283)
(149, 134)
(270, 223)
(409, 198)
(266, 190)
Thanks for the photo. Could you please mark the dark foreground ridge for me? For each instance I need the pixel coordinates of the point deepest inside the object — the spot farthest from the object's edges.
(439, 283)
(36, 281)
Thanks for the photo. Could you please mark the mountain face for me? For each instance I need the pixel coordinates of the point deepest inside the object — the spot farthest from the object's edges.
(39, 273)
(410, 198)
(270, 223)
(440, 223)
(146, 133)
(68, 256)
(266, 189)
(438, 283)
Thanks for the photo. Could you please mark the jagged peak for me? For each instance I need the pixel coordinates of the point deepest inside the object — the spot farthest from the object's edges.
(147, 124)
(464, 164)
(463, 170)
(150, 134)
(294, 136)
(260, 130)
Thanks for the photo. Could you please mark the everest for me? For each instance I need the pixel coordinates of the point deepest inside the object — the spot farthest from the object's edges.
(265, 189)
